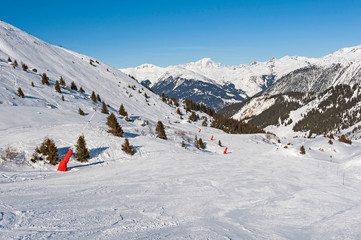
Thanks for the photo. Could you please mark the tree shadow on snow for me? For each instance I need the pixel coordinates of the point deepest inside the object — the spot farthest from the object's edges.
(30, 97)
(130, 135)
(136, 148)
(86, 165)
(62, 152)
(97, 151)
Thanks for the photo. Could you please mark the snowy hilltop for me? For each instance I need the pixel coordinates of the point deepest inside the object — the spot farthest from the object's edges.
(153, 167)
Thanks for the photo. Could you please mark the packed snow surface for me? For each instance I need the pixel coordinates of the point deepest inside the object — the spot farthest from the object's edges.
(256, 191)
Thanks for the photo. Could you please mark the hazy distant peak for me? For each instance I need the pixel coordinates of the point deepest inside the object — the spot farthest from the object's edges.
(146, 65)
(204, 63)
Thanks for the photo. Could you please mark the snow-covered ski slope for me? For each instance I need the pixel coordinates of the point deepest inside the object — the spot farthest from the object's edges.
(259, 190)
(167, 192)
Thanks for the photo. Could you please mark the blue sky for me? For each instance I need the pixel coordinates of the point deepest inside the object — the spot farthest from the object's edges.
(129, 33)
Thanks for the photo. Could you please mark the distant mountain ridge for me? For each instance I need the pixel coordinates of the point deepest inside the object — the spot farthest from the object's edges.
(272, 77)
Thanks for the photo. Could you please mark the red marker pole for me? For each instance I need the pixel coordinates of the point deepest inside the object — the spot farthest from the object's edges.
(199, 130)
(67, 156)
(63, 163)
(212, 138)
(225, 151)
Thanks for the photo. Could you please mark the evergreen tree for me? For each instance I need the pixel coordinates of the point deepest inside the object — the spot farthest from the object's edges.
(61, 81)
(330, 142)
(45, 79)
(219, 143)
(24, 66)
(179, 112)
(81, 112)
(163, 97)
(73, 86)
(122, 111)
(196, 143)
(57, 86)
(193, 117)
(20, 93)
(302, 150)
(62, 98)
(32, 84)
(183, 144)
(114, 126)
(201, 144)
(49, 149)
(9, 59)
(160, 131)
(81, 90)
(81, 151)
(145, 95)
(344, 139)
(127, 148)
(93, 98)
(98, 98)
(104, 108)
(15, 64)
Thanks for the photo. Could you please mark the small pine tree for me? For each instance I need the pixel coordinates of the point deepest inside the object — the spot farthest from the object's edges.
(81, 90)
(73, 86)
(81, 151)
(9, 60)
(179, 112)
(45, 79)
(122, 111)
(205, 123)
(62, 98)
(193, 117)
(160, 131)
(196, 143)
(183, 144)
(61, 81)
(81, 112)
(32, 84)
(114, 126)
(57, 86)
(105, 109)
(127, 148)
(93, 98)
(15, 64)
(146, 96)
(201, 144)
(98, 98)
(302, 150)
(20, 93)
(163, 97)
(49, 149)
(24, 67)
(344, 139)
(330, 142)
(219, 143)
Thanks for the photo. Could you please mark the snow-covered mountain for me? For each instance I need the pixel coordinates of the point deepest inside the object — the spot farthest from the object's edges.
(239, 82)
(275, 76)
(335, 110)
(340, 67)
(112, 85)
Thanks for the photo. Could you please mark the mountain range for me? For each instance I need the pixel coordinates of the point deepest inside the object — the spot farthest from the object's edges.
(218, 85)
